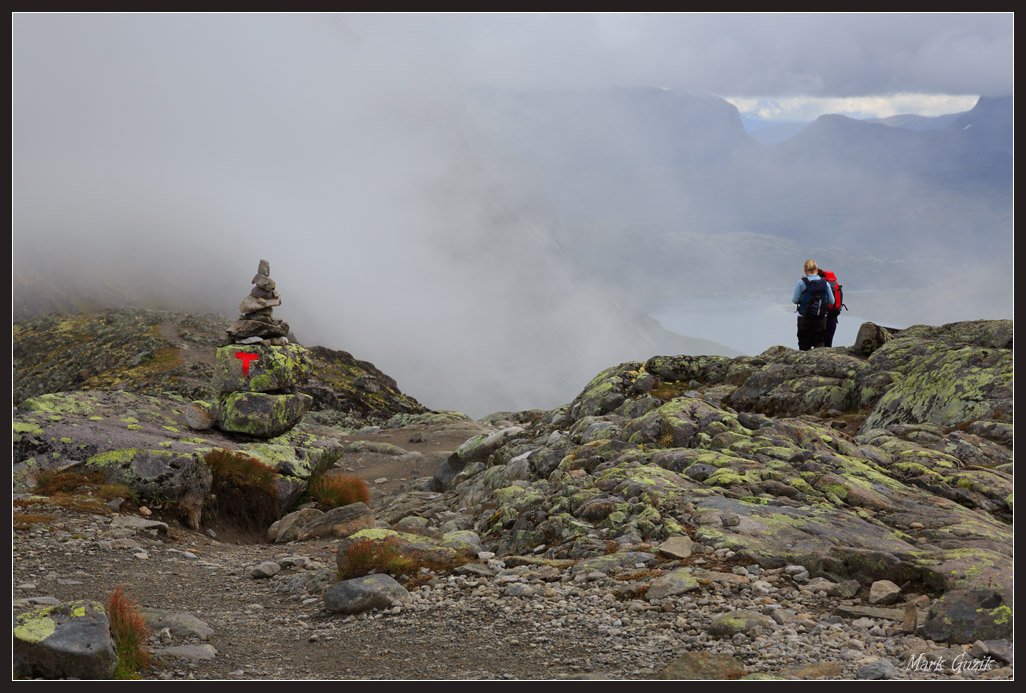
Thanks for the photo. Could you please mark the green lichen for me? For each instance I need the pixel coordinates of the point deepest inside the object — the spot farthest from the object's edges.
(1002, 615)
(36, 627)
(113, 457)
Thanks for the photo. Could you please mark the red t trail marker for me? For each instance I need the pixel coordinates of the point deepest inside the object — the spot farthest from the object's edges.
(246, 358)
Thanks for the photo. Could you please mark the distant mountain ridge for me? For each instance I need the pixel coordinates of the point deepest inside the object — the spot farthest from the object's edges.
(634, 168)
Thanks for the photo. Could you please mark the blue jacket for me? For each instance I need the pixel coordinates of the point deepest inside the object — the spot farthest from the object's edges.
(800, 288)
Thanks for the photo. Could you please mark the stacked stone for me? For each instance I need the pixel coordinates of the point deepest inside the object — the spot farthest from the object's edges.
(257, 324)
(257, 373)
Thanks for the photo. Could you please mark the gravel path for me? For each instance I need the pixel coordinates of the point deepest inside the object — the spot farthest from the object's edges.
(525, 622)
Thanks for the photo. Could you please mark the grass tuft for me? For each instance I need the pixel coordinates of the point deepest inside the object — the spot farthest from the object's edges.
(129, 632)
(335, 491)
(24, 521)
(411, 568)
(366, 556)
(239, 469)
(50, 482)
(244, 490)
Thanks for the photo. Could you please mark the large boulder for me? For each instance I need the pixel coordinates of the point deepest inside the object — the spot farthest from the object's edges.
(259, 414)
(68, 641)
(338, 522)
(377, 591)
(181, 477)
(275, 368)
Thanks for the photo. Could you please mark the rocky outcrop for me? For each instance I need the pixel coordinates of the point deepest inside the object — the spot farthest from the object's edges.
(879, 477)
(163, 353)
(892, 461)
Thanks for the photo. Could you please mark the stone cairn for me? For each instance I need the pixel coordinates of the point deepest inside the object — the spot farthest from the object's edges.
(257, 325)
(257, 372)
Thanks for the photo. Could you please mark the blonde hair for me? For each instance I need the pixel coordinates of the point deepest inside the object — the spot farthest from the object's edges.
(810, 266)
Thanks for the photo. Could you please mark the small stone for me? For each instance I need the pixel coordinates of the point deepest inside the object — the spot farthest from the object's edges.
(845, 589)
(203, 651)
(884, 592)
(265, 569)
(741, 621)
(878, 669)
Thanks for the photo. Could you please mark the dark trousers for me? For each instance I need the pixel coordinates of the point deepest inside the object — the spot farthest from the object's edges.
(811, 332)
(831, 327)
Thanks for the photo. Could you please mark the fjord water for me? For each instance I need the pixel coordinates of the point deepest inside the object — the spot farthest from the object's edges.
(749, 324)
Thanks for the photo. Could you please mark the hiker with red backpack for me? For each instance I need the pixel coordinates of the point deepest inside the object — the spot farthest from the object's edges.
(834, 309)
(813, 297)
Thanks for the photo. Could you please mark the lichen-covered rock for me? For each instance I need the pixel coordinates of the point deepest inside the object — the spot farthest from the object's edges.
(675, 424)
(477, 449)
(912, 502)
(686, 368)
(259, 414)
(733, 622)
(673, 583)
(606, 391)
(801, 382)
(965, 616)
(274, 368)
(949, 388)
(377, 591)
(159, 353)
(66, 641)
(183, 478)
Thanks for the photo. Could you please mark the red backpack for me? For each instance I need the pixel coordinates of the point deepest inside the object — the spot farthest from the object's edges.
(831, 279)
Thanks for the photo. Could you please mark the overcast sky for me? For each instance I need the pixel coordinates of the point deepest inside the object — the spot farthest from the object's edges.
(175, 143)
(732, 55)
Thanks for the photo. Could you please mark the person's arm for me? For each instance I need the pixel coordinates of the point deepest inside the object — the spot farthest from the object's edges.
(797, 297)
(830, 295)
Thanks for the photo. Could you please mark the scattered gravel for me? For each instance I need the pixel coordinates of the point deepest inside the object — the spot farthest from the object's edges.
(527, 622)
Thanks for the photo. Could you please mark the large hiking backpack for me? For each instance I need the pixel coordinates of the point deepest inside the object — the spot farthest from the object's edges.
(835, 287)
(813, 303)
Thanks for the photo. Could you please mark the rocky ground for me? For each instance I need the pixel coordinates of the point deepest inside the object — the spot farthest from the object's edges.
(524, 622)
(842, 513)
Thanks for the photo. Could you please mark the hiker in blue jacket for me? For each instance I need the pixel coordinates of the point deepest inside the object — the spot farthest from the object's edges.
(812, 295)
